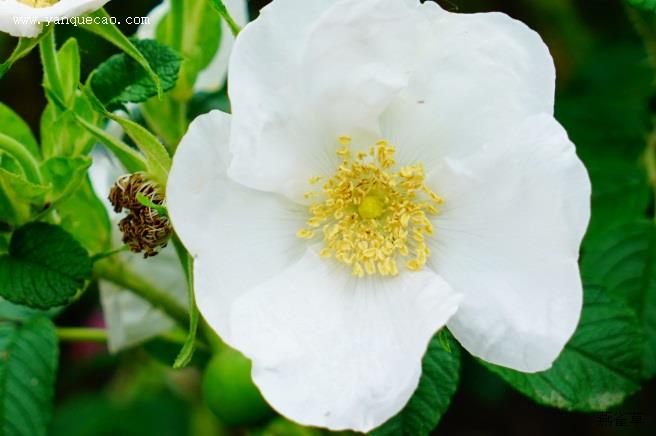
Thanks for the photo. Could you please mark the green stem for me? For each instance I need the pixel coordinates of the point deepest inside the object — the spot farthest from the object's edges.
(180, 109)
(220, 7)
(85, 334)
(100, 256)
(81, 334)
(121, 275)
(51, 74)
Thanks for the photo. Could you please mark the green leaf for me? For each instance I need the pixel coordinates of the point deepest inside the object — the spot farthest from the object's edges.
(616, 183)
(20, 189)
(624, 261)
(64, 175)
(22, 49)
(68, 58)
(15, 312)
(103, 27)
(648, 5)
(52, 75)
(598, 368)
(130, 158)
(121, 80)
(438, 383)
(157, 158)
(14, 127)
(28, 363)
(62, 135)
(26, 160)
(45, 267)
(608, 122)
(84, 215)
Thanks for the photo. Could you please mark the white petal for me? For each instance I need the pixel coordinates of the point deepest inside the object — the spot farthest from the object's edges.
(480, 75)
(213, 77)
(508, 239)
(16, 18)
(335, 351)
(238, 236)
(300, 77)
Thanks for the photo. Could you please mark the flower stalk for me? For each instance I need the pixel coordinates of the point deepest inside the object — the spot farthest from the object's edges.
(101, 336)
(82, 334)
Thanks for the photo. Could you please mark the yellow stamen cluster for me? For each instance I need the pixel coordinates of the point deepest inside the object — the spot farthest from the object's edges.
(38, 3)
(370, 217)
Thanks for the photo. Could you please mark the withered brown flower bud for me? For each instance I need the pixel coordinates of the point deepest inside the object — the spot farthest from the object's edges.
(144, 228)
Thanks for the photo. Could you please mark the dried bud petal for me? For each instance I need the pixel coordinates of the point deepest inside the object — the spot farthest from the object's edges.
(144, 229)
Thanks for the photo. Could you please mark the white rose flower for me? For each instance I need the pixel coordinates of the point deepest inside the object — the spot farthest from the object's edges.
(21, 17)
(213, 76)
(389, 168)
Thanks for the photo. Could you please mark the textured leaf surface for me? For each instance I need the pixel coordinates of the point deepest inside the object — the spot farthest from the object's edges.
(113, 34)
(44, 268)
(598, 368)
(624, 261)
(28, 361)
(438, 383)
(121, 79)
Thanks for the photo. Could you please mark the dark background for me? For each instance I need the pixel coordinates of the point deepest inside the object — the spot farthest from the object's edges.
(604, 94)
